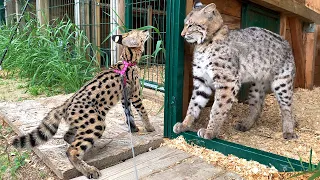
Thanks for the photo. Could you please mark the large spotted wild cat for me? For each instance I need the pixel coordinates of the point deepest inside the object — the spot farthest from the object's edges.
(85, 111)
(224, 59)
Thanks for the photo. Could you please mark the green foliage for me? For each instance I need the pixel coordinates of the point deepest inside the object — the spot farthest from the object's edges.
(53, 58)
(10, 161)
(313, 170)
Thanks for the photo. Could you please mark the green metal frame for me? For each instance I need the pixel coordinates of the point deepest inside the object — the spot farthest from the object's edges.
(174, 95)
(174, 65)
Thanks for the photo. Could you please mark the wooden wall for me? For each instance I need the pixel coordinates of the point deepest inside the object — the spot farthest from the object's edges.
(317, 63)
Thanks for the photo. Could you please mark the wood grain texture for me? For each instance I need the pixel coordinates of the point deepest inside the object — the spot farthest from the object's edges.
(291, 7)
(310, 49)
(146, 163)
(298, 51)
(228, 7)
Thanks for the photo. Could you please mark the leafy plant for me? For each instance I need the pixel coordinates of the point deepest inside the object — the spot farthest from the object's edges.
(313, 170)
(52, 58)
(10, 161)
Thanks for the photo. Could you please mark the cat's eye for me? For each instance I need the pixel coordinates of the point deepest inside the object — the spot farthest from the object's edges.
(189, 25)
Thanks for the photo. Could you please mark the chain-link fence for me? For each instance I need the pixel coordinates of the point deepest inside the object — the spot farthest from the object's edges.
(99, 18)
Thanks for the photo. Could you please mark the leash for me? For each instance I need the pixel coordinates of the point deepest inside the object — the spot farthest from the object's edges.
(126, 107)
(14, 33)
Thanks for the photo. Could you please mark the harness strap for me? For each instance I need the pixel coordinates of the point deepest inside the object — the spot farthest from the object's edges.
(123, 70)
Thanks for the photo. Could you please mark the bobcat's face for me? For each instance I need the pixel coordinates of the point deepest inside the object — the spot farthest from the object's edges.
(132, 39)
(201, 23)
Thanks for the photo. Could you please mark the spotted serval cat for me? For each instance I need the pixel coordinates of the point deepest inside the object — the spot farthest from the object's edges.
(224, 59)
(85, 111)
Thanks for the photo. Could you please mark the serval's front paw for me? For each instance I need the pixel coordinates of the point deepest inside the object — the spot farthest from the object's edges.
(207, 134)
(92, 172)
(150, 128)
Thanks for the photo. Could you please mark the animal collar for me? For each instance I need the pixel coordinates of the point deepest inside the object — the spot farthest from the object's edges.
(124, 69)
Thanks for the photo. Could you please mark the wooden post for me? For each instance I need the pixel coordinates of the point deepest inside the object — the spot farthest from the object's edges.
(113, 20)
(42, 7)
(97, 30)
(121, 21)
(9, 13)
(310, 49)
(149, 42)
(87, 16)
(77, 18)
(283, 25)
(187, 77)
(298, 51)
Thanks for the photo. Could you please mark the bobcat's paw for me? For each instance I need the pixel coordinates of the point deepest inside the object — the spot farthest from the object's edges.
(289, 136)
(207, 134)
(179, 128)
(150, 128)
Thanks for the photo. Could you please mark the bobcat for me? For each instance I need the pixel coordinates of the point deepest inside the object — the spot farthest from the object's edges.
(85, 111)
(223, 59)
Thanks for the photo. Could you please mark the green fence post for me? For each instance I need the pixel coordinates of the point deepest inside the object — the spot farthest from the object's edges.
(128, 14)
(174, 65)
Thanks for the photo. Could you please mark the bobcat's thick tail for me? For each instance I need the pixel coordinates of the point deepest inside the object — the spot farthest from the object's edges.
(46, 130)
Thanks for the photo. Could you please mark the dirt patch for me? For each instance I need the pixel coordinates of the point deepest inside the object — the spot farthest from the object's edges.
(266, 134)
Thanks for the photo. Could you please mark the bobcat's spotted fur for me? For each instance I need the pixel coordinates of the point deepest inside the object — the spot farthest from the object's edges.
(85, 111)
(224, 59)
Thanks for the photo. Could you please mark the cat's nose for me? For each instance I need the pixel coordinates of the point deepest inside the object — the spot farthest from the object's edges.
(183, 33)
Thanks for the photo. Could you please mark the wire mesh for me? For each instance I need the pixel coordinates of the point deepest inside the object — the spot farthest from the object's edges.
(92, 16)
(149, 13)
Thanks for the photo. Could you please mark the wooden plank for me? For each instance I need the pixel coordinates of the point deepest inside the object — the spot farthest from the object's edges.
(231, 21)
(189, 169)
(298, 51)
(283, 25)
(97, 30)
(146, 163)
(228, 7)
(310, 49)
(291, 7)
(42, 7)
(314, 5)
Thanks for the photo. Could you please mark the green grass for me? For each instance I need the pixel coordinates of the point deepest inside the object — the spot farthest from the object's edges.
(312, 170)
(52, 59)
(10, 161)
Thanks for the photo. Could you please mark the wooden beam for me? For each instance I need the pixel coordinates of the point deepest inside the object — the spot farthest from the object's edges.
(283, 25)
(97, 30)
(298, 51)
(187, 73)
(121, 21)
(291, 7)
(42, 7)
(311, 50)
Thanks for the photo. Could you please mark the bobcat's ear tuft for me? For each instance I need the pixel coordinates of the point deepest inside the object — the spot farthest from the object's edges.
(197, 4)
(117, 39)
